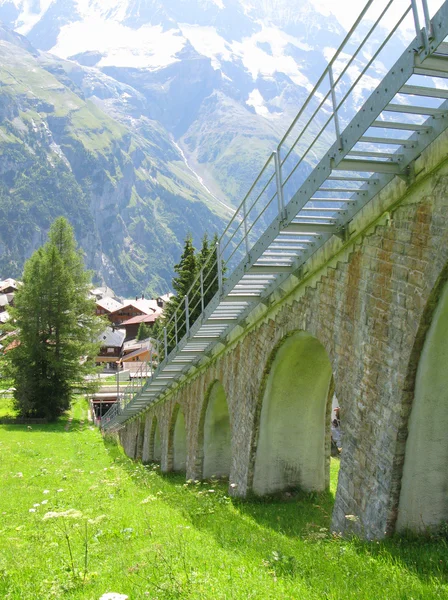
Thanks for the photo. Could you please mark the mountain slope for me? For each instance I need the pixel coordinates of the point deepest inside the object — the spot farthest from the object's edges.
(200, 65)
(130, 196)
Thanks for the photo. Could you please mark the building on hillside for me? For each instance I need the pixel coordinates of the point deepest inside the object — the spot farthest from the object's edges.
(5, 301)
(132, 325)
(135, 353)
(131, 309)
(111, 348)
(103, 292)
(9, 286)
(107, 306)
(162, 300)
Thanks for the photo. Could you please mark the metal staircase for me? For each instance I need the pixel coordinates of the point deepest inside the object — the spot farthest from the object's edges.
(345, 145)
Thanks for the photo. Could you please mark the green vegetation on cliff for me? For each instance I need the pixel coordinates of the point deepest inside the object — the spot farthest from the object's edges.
(129, 196)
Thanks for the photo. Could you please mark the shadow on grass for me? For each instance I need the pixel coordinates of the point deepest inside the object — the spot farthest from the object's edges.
(281, 522)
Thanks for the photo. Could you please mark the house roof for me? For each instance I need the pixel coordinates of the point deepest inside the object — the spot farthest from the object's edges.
(166, 297)
(4, 300)
(134, 344)
(145, 305)
(103, 292)
(12, 345)
(109, 304)
(142, 319)
(4, 316)
(142, 350)
(112, 337)
(6, 283)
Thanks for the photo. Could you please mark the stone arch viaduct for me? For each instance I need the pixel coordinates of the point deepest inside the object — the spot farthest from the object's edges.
(369, 321)
(340, 297)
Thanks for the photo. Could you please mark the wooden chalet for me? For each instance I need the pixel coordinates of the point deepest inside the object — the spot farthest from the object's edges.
(112, 345)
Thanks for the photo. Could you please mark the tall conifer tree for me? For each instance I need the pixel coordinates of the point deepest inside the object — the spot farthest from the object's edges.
(56, 326)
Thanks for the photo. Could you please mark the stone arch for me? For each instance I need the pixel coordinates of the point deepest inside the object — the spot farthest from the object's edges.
(155, 442)
(423, 499)
(177, 441)
(215, 445)
(293, 417)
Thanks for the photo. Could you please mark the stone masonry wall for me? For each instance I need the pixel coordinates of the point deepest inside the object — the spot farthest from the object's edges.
(369, 301)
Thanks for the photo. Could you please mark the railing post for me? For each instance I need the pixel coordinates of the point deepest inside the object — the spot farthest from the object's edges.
(165, 342)
(335, 107)
(418, 30)
(279, 183)
(219, 266)
(428, 26)
(202, 290)
(187, 316)
(246, 239)
(175, 326)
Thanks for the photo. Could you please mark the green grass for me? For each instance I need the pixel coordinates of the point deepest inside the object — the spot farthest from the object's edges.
(152, 536)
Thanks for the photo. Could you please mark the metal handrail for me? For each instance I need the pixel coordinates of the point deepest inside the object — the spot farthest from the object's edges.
(250, 212)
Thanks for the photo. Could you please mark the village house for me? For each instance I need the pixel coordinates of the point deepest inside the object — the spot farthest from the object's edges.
(107, 306)
(133, 308)
(111, 348)
(132, 325)
(134, 353)
(9, 286)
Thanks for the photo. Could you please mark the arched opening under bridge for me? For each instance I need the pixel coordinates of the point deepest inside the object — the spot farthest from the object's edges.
(423, 501)
(178, 440)
(293, 448)
(217, 453)
(155, 442)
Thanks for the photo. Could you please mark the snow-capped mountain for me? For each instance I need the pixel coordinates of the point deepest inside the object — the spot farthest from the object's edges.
(258, 38)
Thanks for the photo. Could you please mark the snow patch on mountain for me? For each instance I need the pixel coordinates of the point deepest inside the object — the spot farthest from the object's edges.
(257, 102)
(207, 41)
(32, 13)
(121, 46)
(262, 54)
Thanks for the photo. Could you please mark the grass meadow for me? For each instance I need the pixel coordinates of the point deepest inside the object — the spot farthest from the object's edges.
(79, 519)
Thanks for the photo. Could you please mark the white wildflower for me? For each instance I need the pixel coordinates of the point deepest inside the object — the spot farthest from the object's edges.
(71, 513)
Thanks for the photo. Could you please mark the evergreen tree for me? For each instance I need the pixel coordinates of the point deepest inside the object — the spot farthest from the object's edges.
(208, 261)
(56, 326)
(187, 270)
(144, 331)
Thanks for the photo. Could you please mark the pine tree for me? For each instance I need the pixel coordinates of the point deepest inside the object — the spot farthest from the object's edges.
(144, 331)
(208, 260)
(56, 326)
(186, 272)
(188, 282)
